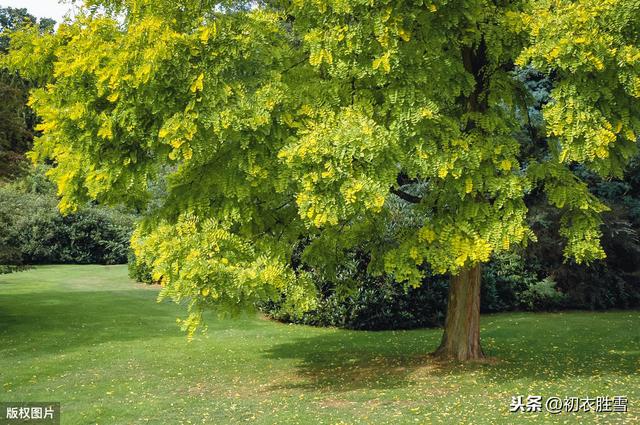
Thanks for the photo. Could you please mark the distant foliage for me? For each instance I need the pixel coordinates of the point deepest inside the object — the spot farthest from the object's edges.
(535, 278)
(8, 268)
(613, 282)
(542, 295)
(32, 231)
(378, 303)
(17, 120)
(504, 280)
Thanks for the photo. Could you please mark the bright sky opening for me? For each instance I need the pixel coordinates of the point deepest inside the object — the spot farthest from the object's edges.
(41, 8)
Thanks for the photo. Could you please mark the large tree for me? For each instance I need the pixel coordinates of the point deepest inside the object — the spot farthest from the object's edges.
(275, 122)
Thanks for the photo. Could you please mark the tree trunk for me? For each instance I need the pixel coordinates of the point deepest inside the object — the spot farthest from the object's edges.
(461, 339)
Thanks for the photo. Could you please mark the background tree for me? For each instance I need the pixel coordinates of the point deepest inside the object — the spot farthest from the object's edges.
(17, 121)
(299, 120)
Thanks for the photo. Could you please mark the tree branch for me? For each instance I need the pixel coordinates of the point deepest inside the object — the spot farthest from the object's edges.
(300, 62)
(406, 196)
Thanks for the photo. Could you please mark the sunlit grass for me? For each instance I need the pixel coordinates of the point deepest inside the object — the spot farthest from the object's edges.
(90, 338)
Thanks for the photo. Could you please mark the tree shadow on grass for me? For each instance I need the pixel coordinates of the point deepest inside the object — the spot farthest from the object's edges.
(534, 347)
(53, 321)
(349, 360)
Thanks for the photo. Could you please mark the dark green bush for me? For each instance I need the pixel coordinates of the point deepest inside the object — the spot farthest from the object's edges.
(610, 283)
(379, 304)
(7, 268)
(504, 279)
(32, 231)
(534, 279)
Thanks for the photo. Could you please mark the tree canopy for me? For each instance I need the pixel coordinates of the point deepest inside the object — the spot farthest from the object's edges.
(272, 122)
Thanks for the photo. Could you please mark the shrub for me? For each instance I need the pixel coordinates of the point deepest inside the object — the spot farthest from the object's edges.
(542, 295)
(378, 304)
(536, 278)
(604, 284)
(7, 268)
(32, 231)
(504, 279)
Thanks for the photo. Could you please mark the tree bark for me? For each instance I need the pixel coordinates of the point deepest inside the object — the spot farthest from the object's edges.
(461, 339)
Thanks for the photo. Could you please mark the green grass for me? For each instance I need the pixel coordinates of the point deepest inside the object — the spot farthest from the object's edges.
(90, 338)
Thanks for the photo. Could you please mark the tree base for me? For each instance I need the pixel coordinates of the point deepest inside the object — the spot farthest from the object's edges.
(461, 338)
(445, 354)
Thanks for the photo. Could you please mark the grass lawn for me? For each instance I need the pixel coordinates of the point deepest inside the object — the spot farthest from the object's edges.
(90, 338)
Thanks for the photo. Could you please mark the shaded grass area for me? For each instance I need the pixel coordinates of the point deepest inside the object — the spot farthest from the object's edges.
(90, 338)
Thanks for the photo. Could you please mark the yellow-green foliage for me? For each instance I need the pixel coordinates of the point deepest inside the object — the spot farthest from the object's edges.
(289, 122)
(208, 265)
(593, 47)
